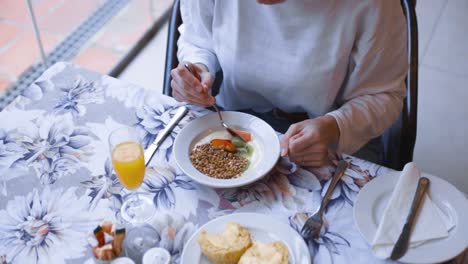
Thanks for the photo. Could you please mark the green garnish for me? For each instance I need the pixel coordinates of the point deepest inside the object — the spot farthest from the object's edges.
(245, 151)
(238, 142)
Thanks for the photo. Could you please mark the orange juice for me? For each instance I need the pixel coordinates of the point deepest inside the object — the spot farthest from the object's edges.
(129, 163)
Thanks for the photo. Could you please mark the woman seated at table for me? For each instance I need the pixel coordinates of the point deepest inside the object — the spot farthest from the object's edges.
(331, 73)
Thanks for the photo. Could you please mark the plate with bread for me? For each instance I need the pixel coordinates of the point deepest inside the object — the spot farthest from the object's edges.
(245, 238)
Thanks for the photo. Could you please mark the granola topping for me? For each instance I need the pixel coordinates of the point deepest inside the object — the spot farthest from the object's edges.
(218, 163)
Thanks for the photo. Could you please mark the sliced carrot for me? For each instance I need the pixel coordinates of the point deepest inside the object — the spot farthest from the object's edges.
(246, 136)
(223, 144)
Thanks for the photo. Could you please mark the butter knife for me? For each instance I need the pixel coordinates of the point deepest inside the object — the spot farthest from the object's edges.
(401, 245)
(151, 150)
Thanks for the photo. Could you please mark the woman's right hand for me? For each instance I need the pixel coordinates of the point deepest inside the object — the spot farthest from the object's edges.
(192, 89)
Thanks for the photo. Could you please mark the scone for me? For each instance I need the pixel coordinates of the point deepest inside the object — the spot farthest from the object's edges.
(260, 253)
(226, 247)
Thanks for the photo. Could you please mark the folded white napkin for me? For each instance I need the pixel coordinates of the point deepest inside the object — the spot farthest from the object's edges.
(430, 223)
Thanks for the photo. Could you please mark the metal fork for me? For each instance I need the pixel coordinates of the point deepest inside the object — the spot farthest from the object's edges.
(313, 225)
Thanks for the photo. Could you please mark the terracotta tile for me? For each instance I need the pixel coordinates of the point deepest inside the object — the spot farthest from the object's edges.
(14, 10)
(126, 28)
(98, 59)
(49, 40)
(24, 52)
(69, 16)
(43, 8)
(17, 10)
(4, 83)
(160, 6)
(8, 33)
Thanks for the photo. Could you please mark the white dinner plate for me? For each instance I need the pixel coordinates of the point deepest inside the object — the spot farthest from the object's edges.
(373, 198)
(262, 228)
(263, 136)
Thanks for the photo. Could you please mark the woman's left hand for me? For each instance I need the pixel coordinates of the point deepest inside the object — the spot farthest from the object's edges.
(307, 142)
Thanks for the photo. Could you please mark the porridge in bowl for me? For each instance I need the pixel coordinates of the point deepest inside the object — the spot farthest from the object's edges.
(223, 156)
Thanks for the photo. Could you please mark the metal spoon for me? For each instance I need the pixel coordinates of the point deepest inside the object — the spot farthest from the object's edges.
(221, 118)
(230, 130)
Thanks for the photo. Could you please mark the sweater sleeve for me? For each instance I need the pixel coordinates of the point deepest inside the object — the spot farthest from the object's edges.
(371, 97)
(196, 38)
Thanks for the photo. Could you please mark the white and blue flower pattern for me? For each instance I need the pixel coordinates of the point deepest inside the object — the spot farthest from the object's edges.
(328, 242)
(37, 89)
(63, 144)
(40, 86)
(12, 164)
(48, 227)
(171, 190)
(130, 95)
(54, 146)
(152, 117)
(174, 231)
(105, 186)
(287, 185)
(162, 181)
(76, 95)
(353, 180)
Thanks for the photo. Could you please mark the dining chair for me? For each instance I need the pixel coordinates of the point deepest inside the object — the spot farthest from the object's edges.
(398, 141)
(171, 52)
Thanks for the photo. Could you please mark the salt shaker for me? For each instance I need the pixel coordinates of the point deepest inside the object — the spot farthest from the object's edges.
(157, 255)
(122, 260)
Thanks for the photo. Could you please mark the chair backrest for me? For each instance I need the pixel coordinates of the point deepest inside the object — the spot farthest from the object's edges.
(411, 102)
(171, 50)
(399, 140)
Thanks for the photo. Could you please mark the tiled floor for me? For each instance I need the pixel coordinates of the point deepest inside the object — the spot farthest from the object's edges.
(118, 36)
(148, 68)
(442, 140)
(18, 47)
(57, 19)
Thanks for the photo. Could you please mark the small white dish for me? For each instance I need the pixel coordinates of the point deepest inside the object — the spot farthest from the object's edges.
(264, 138)
(122, 260)
(157, 255)
(373, 198)
(262, 227)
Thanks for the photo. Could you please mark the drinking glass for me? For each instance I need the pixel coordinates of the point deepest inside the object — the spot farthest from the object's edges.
(129, 165)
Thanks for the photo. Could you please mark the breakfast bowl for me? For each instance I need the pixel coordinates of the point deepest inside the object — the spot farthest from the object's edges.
(263, 148)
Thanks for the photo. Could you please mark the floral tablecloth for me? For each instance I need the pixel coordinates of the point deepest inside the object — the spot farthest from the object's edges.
(57, 183)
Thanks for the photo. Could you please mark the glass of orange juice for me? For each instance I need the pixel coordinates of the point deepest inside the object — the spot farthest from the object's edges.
(129, 165)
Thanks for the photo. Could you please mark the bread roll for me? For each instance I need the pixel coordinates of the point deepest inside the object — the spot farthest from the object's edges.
(260, 253)
(226, 247)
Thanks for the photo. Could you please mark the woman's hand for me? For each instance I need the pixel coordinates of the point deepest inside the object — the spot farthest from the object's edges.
(192, 89)
(306, 143)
